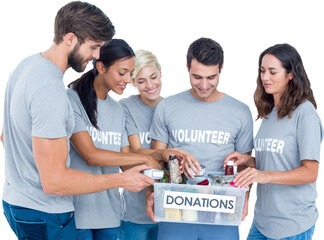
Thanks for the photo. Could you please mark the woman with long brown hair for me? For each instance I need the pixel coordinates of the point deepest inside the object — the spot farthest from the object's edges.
(287, 149)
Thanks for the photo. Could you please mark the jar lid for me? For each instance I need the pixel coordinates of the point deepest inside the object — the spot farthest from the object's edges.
(230, 163)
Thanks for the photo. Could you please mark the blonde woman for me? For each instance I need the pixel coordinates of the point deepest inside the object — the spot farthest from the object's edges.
(139, 110)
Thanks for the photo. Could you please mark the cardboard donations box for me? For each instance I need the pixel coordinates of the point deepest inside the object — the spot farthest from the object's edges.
(219, 205)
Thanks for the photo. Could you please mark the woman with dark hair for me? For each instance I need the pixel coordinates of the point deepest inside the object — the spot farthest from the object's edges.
(99, 140)
(287, 149)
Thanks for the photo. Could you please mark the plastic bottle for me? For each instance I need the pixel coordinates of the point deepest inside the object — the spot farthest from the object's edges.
(229, 170)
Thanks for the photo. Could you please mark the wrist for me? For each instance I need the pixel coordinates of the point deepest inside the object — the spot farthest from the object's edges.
(251, 162)
(121, 179)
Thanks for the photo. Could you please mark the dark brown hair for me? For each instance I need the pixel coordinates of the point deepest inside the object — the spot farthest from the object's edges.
(85, 20)
(116, 49)
(206, 51)
(298, 89)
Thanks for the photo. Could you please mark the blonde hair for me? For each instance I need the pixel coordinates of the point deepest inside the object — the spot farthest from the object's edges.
(144, 58)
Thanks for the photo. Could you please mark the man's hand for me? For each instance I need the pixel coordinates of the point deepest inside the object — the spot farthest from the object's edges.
(136, 181)
(240, 159)
(246, 205)
(149, 197)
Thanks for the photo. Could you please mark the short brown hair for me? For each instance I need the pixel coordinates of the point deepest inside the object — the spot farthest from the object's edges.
(206, 51)
(85, 20)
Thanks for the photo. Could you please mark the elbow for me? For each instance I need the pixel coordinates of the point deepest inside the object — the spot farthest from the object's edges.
(313, 179)
(53, 186)
(89, 159)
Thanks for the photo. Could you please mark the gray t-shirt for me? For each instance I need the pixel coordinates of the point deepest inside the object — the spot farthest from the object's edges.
(284, 210)
(36, 104)
(138, 121)
(207, 130)
(102, 209)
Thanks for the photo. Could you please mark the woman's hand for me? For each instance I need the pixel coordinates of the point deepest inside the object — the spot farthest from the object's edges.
(152, 162)
(250, 175)
(191, 162)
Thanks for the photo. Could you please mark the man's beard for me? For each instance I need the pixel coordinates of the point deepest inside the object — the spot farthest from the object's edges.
(75, 60)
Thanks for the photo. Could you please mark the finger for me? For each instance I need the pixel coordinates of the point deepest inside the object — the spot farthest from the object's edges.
(241, 176)
(248, 179)
(186, 174)
(148, 180)
(140, 167)
(231, 155)
(187, 168)
(196, 163)
(182, 159)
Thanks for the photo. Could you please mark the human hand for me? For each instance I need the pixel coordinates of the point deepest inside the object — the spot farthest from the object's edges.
(149, 197)
(240, 159)
(191, 162)
(250, 175)
(136, 181)
(246, 206)
(182, 158)
(152, 162)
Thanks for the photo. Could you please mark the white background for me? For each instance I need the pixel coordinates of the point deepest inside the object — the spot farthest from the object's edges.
(243, 28)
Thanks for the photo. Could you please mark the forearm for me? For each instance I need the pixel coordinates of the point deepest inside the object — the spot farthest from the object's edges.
(67, 182)
(1, 138)
(106, 158)
(153, 153)
(298, 176)
(251, 161)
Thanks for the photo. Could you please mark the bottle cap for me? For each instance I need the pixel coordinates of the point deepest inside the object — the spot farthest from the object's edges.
(230, 163)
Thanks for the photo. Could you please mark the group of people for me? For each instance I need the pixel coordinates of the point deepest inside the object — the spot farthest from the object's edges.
(57, 190)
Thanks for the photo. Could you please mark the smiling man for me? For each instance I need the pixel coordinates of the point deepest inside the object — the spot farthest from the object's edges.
(205, 122)
(38, 122)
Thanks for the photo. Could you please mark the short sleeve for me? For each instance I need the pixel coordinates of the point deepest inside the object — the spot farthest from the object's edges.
(130, 124)
(49, 108)
(309, 137)
(244, 139)
(159, 130)
(80, 115)
(124, 138)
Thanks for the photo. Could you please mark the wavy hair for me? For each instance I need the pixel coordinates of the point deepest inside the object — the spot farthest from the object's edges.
(115, 50)
(298, 89)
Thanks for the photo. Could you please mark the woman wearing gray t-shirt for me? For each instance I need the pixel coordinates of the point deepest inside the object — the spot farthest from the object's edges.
(287, 149)
(139, 110)
(99, 140)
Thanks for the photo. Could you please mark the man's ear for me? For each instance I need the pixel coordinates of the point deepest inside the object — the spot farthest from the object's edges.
(187, 67)
(220, 70)
(70, 39)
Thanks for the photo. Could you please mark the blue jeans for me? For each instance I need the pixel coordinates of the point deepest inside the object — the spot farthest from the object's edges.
(188, 231)
(255, 234)
(134, 231)
(32, 224)
(97, 234)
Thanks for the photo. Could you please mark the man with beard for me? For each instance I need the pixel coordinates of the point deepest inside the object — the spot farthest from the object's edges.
(38, 122)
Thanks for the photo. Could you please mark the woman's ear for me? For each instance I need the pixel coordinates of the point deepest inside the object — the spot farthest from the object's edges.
(100, 67)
